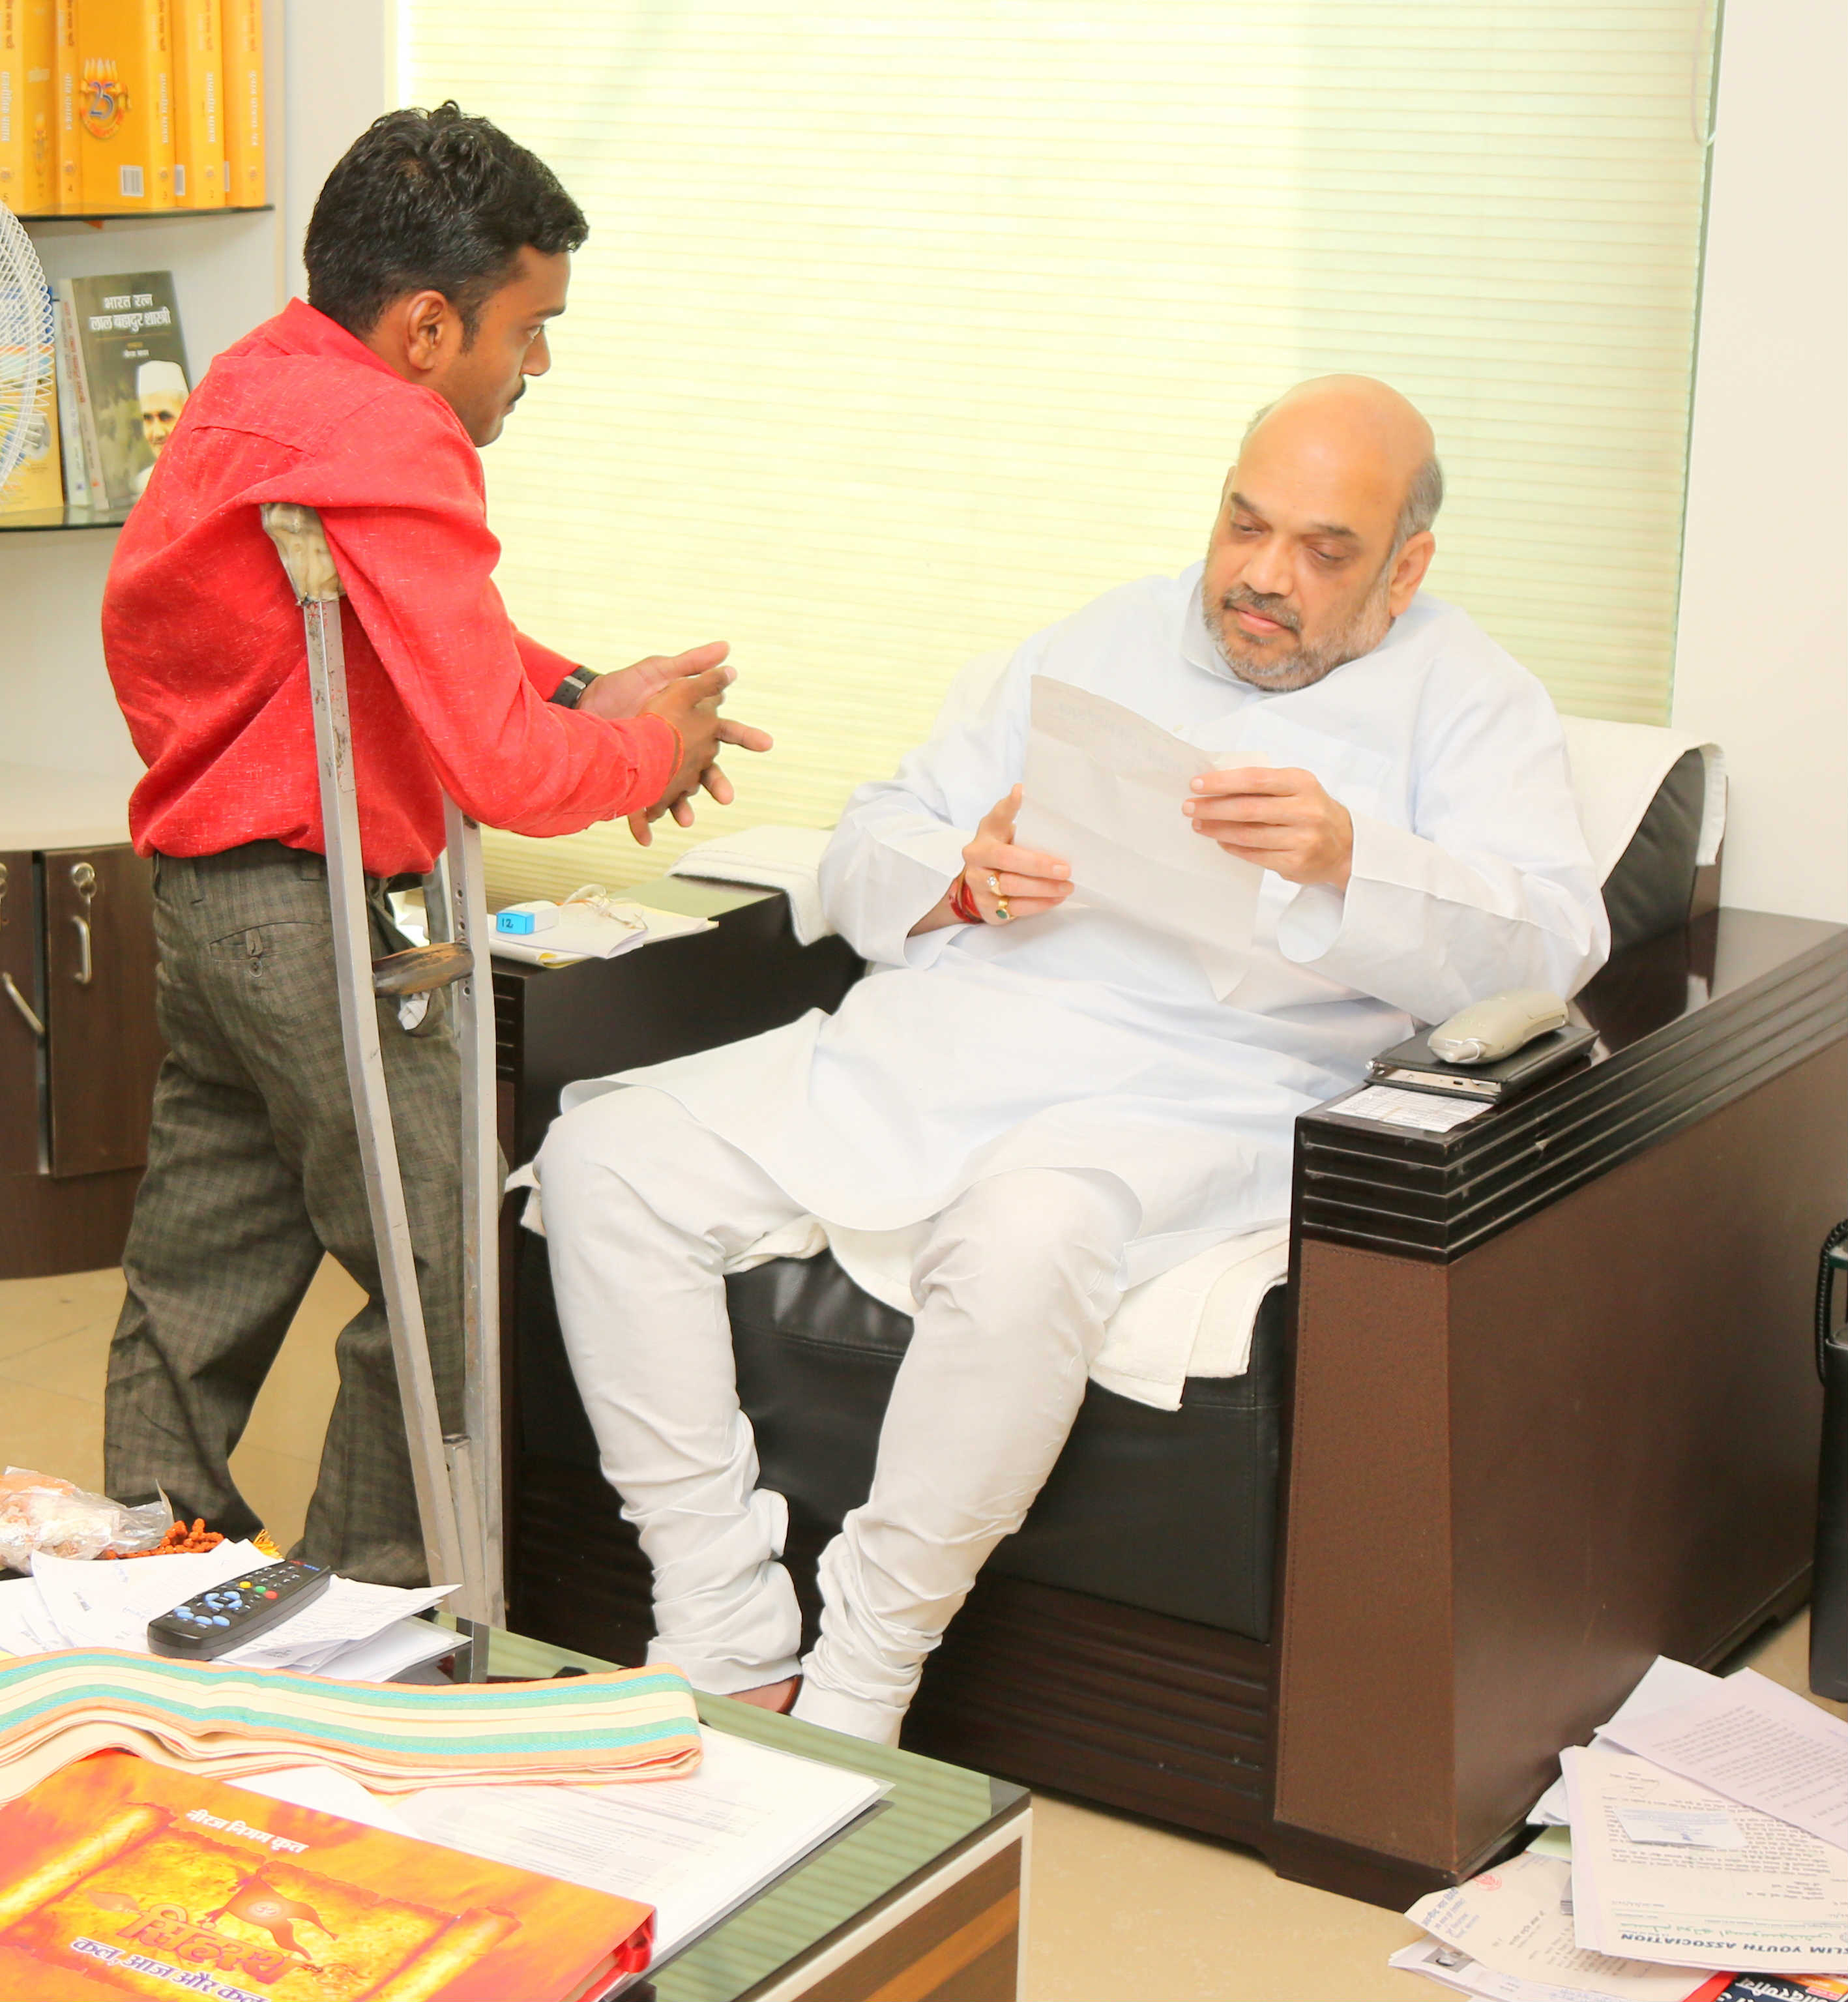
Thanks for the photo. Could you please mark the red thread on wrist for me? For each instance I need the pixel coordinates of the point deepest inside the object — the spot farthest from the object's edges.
(963, 902)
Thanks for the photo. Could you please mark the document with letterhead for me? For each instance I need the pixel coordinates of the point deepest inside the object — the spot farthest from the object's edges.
(1666, 1870)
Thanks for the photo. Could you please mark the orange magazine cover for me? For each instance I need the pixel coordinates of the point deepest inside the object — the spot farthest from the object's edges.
(118, 1877)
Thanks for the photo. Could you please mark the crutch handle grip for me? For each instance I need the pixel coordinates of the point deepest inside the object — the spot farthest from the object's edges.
(420, 968)
(301, 543)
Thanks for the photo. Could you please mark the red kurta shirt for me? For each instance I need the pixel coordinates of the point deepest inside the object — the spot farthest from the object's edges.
(204, 643)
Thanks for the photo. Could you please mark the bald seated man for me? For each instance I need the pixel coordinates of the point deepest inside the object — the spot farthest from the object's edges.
(1044, 1104)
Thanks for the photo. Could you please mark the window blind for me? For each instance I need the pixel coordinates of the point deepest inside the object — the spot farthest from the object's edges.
(902, 331)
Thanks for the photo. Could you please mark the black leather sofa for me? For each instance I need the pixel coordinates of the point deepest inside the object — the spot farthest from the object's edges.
(1323, 1609)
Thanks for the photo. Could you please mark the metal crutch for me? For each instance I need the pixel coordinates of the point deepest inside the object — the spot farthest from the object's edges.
(457, 1476)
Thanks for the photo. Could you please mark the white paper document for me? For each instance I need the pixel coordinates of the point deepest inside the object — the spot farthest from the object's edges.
(695, 1849)
(582, 933)
(361, 1633)
(1391, 1105)
(347, 1611)
(1103, 791)
(25, 1626)
(1516, 1922)
(403, 1644)
(1462, 1975)
(1775, 1900)
(100, 1605)
(329, 1791)
(1665, 1684)
(1753, 1741)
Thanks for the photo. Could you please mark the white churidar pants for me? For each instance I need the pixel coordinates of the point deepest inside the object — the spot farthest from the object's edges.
(644, 1207)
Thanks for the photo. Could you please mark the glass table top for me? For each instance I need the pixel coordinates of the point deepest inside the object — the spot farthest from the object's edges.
(931, 1810)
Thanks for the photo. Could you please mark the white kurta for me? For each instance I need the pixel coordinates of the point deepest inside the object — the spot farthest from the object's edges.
(1075, 1040)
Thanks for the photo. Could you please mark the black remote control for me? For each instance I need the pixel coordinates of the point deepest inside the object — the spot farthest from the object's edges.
(210, 1624)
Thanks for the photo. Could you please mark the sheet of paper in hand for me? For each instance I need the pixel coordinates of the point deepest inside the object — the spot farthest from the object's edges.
(1103, 791)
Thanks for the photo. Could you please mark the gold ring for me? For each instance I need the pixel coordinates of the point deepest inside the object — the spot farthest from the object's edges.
(1003, 914)
(993, 885)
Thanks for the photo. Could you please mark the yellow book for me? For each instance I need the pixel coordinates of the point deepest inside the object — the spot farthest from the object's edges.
(125, 106)
(247, 179)
(199, 155)
(64, 162)
(28, 170)
(38, 483)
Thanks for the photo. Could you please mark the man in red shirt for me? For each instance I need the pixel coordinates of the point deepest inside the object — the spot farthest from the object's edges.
(438, 253)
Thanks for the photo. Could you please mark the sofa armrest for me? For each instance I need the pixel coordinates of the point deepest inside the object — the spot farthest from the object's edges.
(554, 1025)
(1555, 1405)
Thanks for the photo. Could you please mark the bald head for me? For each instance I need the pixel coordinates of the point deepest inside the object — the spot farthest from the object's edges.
(1364, 419)
(1324, 530)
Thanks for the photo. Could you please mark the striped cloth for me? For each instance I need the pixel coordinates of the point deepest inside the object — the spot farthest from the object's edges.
(633, 1724)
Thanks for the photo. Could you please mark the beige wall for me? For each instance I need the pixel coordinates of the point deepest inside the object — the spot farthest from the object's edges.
(1762, 657)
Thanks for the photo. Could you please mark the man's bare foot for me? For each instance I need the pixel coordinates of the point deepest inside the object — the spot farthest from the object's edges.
(771, 1696)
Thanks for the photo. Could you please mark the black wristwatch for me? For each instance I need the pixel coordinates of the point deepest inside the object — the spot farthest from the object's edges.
(569, 692)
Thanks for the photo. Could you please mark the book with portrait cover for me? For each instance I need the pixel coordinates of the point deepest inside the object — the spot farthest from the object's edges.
(119, 1877)
(125, 105)
(133, 380)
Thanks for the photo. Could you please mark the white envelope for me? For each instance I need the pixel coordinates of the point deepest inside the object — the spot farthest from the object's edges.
(1103, 791)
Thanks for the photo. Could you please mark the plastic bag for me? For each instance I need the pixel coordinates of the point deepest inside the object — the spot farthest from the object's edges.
(38, 1511)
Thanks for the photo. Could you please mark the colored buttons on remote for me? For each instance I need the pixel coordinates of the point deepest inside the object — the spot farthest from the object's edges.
(212, 1623)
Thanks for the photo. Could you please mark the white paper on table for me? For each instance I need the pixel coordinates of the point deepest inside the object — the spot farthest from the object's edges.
(1103, 791)
(346, 1612)
(1665, 1684)
(1392, 1105)
(695, 1849)
(1777, 1903)
(329, 1790)
(403, 1645)
(1754, 1741)
(1516, 1921)
(583, 933)
(23, 1618)
(104, 1605)
(1457, 1972)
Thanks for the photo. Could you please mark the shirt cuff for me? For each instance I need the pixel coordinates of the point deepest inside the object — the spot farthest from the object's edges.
(544, 668)
(1320, 920)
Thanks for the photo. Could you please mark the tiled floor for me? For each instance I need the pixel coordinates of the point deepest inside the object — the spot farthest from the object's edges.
(1121, 1911)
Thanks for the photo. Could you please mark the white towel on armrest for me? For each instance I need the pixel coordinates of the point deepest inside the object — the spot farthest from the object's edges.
(788, 858)
(1616, 770)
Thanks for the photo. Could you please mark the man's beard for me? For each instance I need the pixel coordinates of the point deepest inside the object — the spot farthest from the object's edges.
(1302, 665)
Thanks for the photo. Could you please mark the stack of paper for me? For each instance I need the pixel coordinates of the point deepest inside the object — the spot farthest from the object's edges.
(393, 1738)
(600, 932)
(694, 1848)
(1707, 1858)
(1509, 1934)
(359, 1632)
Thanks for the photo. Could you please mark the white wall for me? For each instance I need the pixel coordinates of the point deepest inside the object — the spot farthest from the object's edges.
(1762, 654)
(336, 59)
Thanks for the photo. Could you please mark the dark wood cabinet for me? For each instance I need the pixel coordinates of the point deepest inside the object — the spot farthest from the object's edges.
(101, 1048)
(21, 1017)
(78, 1054)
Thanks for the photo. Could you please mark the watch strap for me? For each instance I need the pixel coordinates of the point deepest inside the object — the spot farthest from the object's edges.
(570, 692)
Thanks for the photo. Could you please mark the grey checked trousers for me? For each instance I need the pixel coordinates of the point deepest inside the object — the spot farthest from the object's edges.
(253, 1172)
